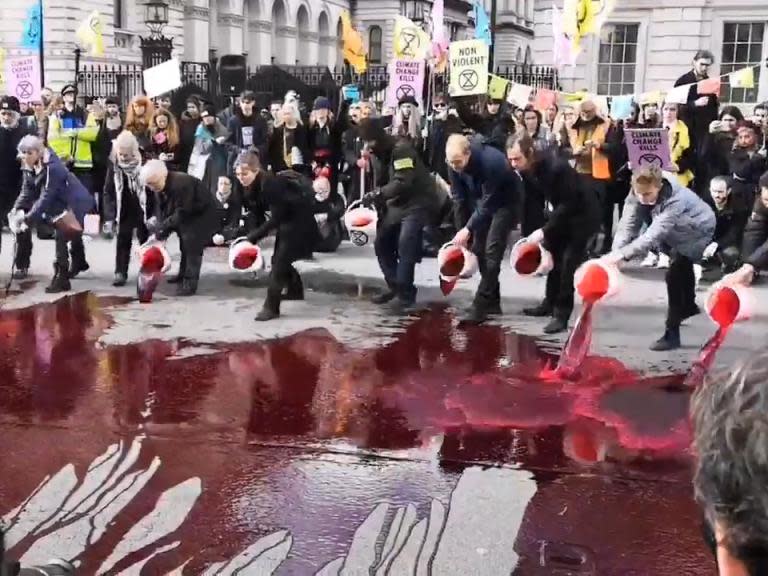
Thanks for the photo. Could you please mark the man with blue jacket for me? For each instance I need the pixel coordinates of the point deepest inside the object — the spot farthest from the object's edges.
(486, 192)
(681, 223)
(51, 192)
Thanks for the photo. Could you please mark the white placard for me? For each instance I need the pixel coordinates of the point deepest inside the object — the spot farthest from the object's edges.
(162, 78)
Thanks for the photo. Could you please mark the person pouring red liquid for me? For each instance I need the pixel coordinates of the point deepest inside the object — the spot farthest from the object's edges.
(680, 222)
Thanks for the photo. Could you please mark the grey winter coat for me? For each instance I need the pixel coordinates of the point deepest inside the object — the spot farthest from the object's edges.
(680, 221)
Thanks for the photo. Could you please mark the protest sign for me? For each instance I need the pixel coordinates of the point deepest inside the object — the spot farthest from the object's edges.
(406, 78)
(648, 146)
(469, 67)
(162, 78)
(22, 77)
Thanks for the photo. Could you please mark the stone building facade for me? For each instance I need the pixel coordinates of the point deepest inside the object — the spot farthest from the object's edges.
(289, 32)
(646, 45)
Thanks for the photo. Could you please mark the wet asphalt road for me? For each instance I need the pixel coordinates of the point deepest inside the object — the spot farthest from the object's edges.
(181, 438)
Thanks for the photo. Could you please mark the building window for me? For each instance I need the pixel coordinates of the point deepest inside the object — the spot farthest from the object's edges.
(374, 45)
(742, 47)
(618, 58)
(118, 20)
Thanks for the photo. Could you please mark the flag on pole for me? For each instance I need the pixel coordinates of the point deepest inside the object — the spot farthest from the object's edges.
(564, 51)
(353, 48)
(410, 41)
(709, 86)
(482, 23)
(32, 33)
(90, 34)
(439, 36)
(603, 13)
(497, 87)
(744, 78)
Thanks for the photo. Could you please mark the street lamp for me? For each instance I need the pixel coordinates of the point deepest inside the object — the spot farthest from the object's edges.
(156, 16)
(414, 10)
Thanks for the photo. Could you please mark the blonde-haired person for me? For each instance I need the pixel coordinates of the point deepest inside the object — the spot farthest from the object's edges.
(289, 143)
(126, 203)
(682, 222)
(164, 138)
(680, 150)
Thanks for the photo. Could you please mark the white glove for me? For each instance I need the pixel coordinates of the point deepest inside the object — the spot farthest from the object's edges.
(536, 236)
(218, 239)
(710, 250)
(16, 221)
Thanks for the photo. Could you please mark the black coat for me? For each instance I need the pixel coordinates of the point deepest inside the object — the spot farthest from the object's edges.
(188, 208)
(575, 208)
(259, 132)
(495, 129)
(746, 171)
(730, 224)
(275, 151)
(10, 167)
(755, 246)
(230, 217)
(290, 199)
(405, 184)
(696, 118)
(116, 188)
(439, 131)
(187, 128)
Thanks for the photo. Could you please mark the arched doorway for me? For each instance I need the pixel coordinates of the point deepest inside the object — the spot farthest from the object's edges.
(279, 42)
(324, 32)
(302, 27)
(528, 56)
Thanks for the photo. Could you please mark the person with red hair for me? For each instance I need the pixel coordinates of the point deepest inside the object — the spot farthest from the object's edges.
(138, 119)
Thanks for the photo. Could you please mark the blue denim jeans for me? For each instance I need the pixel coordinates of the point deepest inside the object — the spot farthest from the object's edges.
(398, 248)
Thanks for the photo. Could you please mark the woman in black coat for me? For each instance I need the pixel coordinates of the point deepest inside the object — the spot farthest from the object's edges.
(289, 143)
(290, 200)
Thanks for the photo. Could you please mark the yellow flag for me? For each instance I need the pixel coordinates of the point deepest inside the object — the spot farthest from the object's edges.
(353, 49)
(497, 87)
(744, 78)
(410, 41)
(573, 98)
(90, 33)
(585, 18)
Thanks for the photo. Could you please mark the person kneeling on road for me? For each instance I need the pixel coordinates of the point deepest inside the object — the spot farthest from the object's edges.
(185, 206)
(682, 224)
(290, 200)
(406, 199)
(486, 192)
(755, 247)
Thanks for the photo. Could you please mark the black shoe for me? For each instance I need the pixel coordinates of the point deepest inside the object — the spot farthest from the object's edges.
(399, 306)
(20, 274)
(120, 279)
(474, 316)
(494, 309)
(670, 341)
(59, 283)
(540, 311)
(187, 288)
(690, 313)
(176, 279)
(384, 297)
(556, 325)
(76, 267)
(265, 314)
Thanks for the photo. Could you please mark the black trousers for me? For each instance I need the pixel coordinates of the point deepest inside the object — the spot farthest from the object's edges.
(681, 289)
(616, 194)
(489, 245)
(191, 258)
(23, 249)
(63, 248)
(282, 276)
(125, 243)
(569, 251)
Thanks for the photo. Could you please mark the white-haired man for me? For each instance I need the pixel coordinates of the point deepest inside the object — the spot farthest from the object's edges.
(185, 206)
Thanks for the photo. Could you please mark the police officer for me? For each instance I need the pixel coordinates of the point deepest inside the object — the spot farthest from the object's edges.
(406, 199)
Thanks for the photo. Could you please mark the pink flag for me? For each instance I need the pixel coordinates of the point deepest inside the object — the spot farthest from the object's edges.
(563, 51)
(439, 37)
(544, 99)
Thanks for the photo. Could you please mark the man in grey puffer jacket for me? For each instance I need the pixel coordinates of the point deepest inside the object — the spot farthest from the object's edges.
(682, 224)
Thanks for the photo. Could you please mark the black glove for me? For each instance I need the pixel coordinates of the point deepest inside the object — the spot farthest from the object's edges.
(370, 198)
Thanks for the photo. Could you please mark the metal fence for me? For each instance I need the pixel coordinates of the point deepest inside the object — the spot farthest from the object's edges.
(272, 82)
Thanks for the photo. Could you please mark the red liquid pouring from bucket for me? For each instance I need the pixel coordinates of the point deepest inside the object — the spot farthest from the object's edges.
(723, 305)
(150, 272)
(592, 287)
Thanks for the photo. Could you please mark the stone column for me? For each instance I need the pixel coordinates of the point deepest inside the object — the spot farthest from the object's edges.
(286, 43)
(197, 33)
(230, 29)
(259, 42)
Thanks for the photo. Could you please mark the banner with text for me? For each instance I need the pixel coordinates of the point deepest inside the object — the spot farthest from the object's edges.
(469, 67)
(649, 146)
(406, 78)
(22, 77)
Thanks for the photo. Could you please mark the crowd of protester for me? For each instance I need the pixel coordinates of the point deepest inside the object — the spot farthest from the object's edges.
(497, 175)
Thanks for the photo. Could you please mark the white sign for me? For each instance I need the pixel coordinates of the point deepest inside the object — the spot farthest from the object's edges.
(469, 67)
(162, 78)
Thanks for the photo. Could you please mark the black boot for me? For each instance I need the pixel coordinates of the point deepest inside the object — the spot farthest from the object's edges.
(78, 266)
(670, 341)
(295, 290)
(20, 274)
(120, 279)
(271, 308)
(694, 310)
(474, 316)
(556, 325)
(60, 281)
(188, 287)
(176, 279)
(540, 311)
(384, 297)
